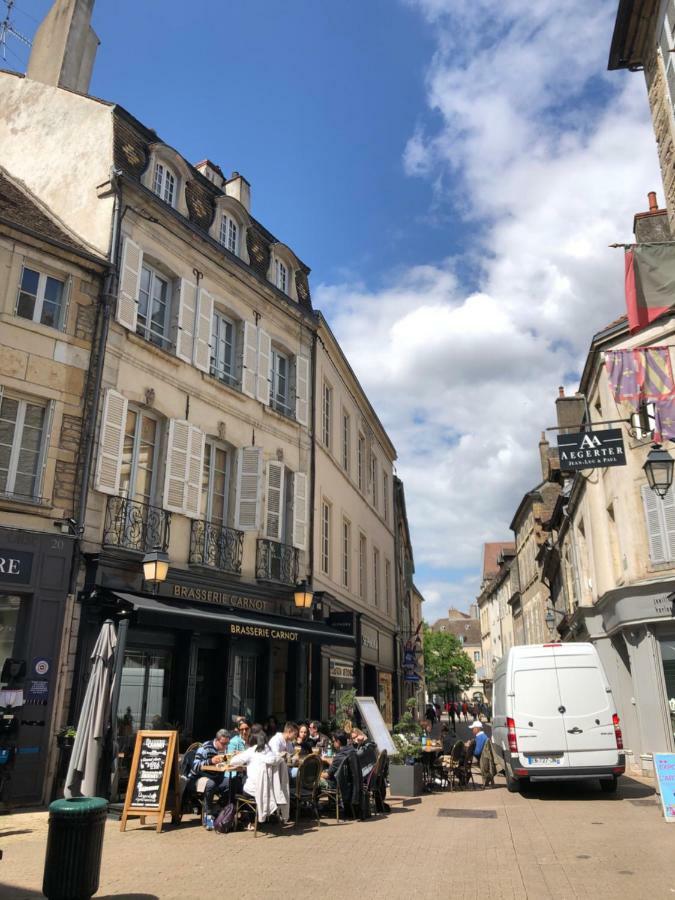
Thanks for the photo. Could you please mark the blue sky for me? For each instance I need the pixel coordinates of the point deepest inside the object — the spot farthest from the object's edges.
(452, 171)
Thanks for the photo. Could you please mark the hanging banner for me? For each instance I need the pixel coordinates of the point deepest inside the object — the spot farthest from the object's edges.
(591, 450)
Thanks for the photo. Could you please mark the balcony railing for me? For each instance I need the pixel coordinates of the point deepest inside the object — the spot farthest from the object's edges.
(216, 546)
(135, 526)
(276, 562)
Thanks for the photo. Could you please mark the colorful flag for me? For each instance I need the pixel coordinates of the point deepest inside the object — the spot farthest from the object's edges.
(650, 282)
(625, 373)
(664, 427)
(658, 373)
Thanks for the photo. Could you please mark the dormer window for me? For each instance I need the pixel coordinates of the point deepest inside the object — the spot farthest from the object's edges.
(164, 184)
(281, 276)
(229, 234)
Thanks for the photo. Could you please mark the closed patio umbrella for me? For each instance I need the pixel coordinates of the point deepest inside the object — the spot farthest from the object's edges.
(93, 722)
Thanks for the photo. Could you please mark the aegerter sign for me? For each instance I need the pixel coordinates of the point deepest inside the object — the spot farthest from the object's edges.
(591, 450)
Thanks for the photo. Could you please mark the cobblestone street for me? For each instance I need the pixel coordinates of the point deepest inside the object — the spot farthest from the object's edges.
(556, 841)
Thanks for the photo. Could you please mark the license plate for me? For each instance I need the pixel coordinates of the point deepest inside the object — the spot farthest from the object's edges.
(543, 760)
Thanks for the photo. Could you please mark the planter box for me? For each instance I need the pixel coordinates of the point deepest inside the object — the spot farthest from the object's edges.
(405, 781)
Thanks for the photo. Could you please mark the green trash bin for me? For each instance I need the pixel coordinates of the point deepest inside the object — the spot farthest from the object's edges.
(74, 847)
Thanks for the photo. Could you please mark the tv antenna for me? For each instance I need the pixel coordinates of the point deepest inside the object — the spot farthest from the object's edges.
(7, 27)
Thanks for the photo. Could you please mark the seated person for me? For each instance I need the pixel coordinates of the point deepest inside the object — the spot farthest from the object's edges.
(254, 757)
(366, 750)
(211, 753)
(342, 748)
(315, 737)
(302, 746)
(241, 740)
(446, 740)
(271, 726)
(284, 741)
(479, 738)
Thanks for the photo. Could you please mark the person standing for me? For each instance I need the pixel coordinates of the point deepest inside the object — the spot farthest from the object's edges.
(465, 710)
(451, 714)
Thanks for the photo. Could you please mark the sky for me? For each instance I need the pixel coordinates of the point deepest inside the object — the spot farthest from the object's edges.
(453, 172)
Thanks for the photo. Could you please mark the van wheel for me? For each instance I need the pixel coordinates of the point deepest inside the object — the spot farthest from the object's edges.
(609, 786)
(512, 784)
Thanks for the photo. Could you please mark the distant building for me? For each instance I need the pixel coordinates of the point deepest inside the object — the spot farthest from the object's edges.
(467, 629)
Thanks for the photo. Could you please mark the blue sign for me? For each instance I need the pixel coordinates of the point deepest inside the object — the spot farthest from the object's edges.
(664, 764)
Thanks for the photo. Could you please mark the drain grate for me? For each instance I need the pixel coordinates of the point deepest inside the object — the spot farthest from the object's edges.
(468, 813)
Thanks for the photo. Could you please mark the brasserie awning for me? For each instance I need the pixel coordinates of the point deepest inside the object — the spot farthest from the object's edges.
(232, 621)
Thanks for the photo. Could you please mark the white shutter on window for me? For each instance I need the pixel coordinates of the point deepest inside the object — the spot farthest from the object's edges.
(300, 511)
(44, 449)
(177, 451)
(202, 350)
(193, 475)
(249, 360)
(187, 309)
(302, 390)
(274, 500)
(264, 363)
(111, 442)
(668, 508)
(249, 477)
(129, 282)
(655, 531)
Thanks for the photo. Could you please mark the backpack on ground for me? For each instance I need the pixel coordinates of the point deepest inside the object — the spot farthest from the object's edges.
(225, 819)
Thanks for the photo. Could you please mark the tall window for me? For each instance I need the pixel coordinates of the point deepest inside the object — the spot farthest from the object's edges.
(376, 576)
(667, 45)
(385, 496)
(373, 478)
(22, 432)
(154, 307)
(281, 276)
(223, 349)
(139, 456)
(215, 484)
(164, 184)
(361, 463)
(363, 577)
(346, 440)
(229, 234)
(660, 521)
(280, 382)
(325, 538)
(387, 584)
(327, 414)
(346, 551)
(41, 298)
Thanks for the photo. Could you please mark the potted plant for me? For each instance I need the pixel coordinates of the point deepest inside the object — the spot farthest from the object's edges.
(405, 771)
(65, 738)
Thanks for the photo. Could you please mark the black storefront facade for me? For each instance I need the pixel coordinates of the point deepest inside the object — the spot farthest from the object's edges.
(34, 581)
(201, 650)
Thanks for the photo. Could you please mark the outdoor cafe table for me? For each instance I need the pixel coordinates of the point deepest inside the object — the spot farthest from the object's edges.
(430, 754)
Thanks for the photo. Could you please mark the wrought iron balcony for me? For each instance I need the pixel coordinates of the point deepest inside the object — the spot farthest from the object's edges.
(276, 562)
(216, 546)
(135, 526)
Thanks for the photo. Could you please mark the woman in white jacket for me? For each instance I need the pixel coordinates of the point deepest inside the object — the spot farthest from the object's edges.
(266, 776)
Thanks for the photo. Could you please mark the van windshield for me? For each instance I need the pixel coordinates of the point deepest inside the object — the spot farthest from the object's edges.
(536, 692)
(582, 691)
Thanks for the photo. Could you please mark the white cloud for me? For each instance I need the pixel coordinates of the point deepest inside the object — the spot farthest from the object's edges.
(549, 157)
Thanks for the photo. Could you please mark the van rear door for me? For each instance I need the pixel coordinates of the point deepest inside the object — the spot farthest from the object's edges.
(588, 709)
(540, 730)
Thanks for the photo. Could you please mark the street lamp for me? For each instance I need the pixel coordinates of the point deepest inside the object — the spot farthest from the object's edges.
(658, 468)
(303, 596)
(155, 567)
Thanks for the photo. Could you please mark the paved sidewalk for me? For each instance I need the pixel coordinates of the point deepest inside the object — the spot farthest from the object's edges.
(562, 842)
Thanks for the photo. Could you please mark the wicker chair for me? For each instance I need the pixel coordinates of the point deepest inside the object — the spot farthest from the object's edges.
(307, 786)
(375, 785)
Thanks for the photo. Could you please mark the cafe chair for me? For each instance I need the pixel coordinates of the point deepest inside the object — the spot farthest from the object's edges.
(245, 803)
(466, 769)
(453, 764)
(192, 797)
(375, 785)
(347, 790)
(307, 785)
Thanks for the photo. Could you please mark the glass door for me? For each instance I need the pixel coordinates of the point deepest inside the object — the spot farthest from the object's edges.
(244, 685)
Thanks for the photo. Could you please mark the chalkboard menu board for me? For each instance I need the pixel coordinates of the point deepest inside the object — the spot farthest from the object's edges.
(154, 765)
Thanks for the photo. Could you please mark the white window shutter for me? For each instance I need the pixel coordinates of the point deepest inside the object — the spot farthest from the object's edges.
(111, 443)
(250, 360)
(302, 390)
(44, 449)
(274, 500)
(129, 282)
(658, 548)
(300, 511)
(264, 363)
(187, 309)
(177, 452)
(204, 322)
(668, 507)
(193, 475)
(249, 477)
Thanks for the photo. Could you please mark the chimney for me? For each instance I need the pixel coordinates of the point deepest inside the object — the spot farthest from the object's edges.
(64, 47)
(211, 171)
(237, 186)
(543, 456)
(653, 224)
(569, 411)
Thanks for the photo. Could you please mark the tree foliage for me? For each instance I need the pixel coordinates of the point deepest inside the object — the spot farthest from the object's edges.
(443, 659)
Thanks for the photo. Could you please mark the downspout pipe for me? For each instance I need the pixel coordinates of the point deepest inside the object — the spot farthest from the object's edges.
(312, 460)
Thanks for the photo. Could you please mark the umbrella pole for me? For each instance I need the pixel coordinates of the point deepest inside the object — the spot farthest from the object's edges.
(122, 630)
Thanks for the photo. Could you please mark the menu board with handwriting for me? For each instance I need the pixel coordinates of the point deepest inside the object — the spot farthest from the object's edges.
(154, 764)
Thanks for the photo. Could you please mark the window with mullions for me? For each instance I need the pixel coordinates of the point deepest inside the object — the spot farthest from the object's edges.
(139, 457)
(229, 234)
(154, 307)
(22, 431)
(215, 484)
(281, 276)
(346, 552)
(327, 414)
(41, 298)
(325, 538)
(346, 441)
(223, 362)
(280, 396)
(164, 184)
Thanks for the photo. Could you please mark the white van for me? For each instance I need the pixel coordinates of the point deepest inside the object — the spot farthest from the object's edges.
(554, 718)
